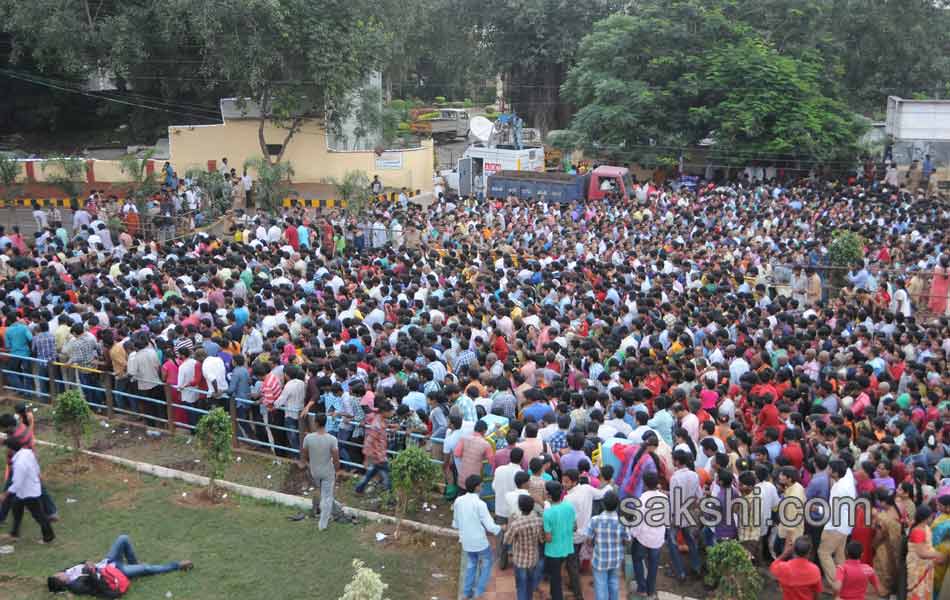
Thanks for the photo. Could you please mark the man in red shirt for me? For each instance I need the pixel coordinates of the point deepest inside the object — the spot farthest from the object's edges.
(375, 446)
(799, 578)
(768, 417)
(793, 450)
(852, 577)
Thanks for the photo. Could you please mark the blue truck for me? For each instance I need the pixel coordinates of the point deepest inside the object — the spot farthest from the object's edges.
(560, 187)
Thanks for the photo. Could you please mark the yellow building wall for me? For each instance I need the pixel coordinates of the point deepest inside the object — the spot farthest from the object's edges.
(313, 162)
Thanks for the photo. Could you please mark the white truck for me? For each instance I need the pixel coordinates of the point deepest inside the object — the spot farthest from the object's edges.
(479, 162)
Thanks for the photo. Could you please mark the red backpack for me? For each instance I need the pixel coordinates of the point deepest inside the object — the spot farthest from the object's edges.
(113, 579)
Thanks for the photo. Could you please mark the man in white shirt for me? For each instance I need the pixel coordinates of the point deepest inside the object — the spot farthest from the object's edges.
(834, 537)
(186, 374)
(581, 496)
(503, 484)
(25, 490)
(649, 537)
(471, 517)
(769, 495)
(214, 373)
(688, 421)
(618, 423)
(738, 367)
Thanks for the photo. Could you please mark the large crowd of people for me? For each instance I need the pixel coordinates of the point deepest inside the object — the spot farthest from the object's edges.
(698, 342)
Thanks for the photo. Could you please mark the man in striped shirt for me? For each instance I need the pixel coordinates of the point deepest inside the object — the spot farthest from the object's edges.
(375, 445)
(271, 388)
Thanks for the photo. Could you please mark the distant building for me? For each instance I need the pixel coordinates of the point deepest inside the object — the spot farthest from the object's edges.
(917, 128)
(314, 156)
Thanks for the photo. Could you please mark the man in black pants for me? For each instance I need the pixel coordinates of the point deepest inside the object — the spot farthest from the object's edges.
(26, 490)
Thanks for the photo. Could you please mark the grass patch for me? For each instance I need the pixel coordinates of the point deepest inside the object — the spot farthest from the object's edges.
(179, 451)
(243, 548)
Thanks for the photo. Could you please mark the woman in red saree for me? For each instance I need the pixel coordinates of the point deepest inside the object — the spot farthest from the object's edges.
(940, 287)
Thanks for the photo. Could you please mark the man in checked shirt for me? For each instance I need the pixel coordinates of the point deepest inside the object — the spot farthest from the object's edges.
(610, 539)
(525, 535)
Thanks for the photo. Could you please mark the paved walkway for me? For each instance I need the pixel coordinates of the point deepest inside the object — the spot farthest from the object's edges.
(502, 585)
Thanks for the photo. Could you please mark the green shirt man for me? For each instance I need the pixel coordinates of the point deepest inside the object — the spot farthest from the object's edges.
(559, 523)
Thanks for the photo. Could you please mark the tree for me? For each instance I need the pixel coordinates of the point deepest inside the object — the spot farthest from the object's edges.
(142, 183)
(290, 59)
(413, 476)
(845, 250)
(273, 181)
(653, 83)
(354, 189)
(215, 189)
(533, 43)
(214, 435)
(9, 171)
(66, 173)
(761, 103)
(72, 416)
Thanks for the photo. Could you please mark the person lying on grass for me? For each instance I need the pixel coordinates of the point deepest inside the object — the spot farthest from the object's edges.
(109, 578)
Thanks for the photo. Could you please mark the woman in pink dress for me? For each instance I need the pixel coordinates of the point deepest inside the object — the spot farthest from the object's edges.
(937, 300)
(170, 377)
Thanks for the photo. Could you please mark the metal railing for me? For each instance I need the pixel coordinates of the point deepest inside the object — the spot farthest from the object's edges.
(44, 380)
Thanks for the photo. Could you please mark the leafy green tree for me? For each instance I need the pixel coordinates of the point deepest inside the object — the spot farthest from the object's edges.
(9, 171)
(214, 435)
(68, 174)
(273, 181)
(294, 59)
(413, 477)
(354, 189)
(72, 416)
(670, 74)
(533, 43)
(142, 183)
(215, 190)
(761, 103)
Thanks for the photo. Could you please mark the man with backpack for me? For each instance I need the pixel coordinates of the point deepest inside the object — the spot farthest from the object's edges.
(109, 578)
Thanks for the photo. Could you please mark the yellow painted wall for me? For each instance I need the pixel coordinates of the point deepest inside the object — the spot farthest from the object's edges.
(193, 147)
(108, 170)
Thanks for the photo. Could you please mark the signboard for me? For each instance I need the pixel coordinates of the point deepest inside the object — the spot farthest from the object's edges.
(389, 161)
(491, 168)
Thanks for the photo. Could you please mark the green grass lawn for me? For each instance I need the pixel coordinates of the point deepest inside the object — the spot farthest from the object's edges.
(242, 549)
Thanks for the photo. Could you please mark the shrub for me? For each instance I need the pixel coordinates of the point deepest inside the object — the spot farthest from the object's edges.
(68, 174)
(413, 476)
(846, 248)
(72, 416)
(273, 182)
(440, 99)
(214, 436)
(730, 570)
(354, 190)
(9, 171)
(365, 585)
